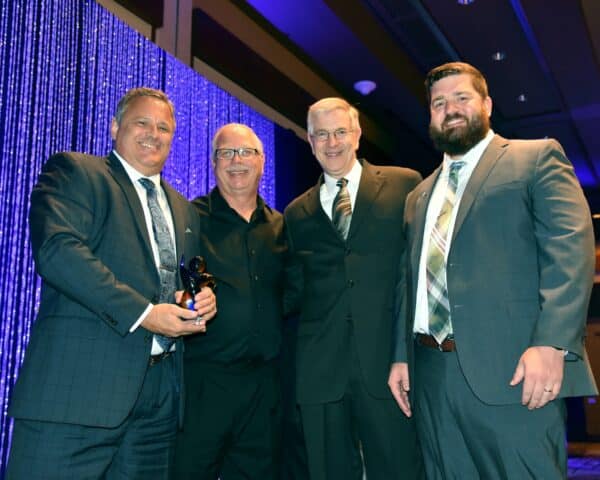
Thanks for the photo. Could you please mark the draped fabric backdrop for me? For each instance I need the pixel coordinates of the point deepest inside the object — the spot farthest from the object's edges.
(63, 66)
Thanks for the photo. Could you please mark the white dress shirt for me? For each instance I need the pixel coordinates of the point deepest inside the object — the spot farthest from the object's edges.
(471, 159)
(134, 176)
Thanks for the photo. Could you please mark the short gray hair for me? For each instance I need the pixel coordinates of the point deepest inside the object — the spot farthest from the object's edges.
(329, 104)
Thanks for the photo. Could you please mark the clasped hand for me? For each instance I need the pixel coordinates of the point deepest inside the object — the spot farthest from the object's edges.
(172, 320)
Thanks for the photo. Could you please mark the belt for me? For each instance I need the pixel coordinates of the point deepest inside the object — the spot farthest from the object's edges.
(154, 359)
(447, 345)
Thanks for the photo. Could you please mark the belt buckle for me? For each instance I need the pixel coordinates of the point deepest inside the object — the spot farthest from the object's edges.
(154, 359)
(449, 338)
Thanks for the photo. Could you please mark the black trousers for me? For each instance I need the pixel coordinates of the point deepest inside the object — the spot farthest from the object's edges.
(232, 423)
(294, 465)
(360, 429)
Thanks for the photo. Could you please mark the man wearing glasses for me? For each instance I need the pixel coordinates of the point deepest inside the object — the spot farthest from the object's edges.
(232, 421)
(346, 242)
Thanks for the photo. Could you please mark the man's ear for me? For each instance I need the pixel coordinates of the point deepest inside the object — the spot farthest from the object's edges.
(488, 105)
(114, 128)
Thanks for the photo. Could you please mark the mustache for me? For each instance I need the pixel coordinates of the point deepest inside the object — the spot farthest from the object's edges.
(238, 169)
(454, 116)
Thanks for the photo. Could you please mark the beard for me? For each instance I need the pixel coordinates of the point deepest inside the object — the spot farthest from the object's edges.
(459, 140)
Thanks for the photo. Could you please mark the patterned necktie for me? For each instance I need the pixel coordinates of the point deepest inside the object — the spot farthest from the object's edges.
(166, 254)
(341, 210)
(440, 325)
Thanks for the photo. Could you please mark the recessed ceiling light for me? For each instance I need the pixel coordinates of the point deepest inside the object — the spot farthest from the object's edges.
(364, 87)
(465, 2)
(498, 56)
(522, 98)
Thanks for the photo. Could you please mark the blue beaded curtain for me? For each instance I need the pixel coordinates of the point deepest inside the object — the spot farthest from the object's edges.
(63, 66)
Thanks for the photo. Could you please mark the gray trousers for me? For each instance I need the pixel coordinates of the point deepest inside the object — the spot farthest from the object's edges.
(463, 438)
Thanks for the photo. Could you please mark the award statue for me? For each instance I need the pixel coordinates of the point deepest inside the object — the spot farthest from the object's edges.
(194, 279)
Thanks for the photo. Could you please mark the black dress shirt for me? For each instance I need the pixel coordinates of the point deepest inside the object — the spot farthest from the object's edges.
(247, 260)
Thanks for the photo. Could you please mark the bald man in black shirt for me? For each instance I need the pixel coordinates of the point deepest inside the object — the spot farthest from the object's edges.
(232, 420)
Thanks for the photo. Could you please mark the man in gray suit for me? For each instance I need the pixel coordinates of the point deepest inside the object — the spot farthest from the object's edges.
(99, 392)
(500, 269)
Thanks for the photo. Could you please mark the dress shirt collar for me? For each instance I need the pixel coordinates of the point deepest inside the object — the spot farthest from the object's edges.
(134, 175)
(353, 177)
(471, 158)
(218, 205)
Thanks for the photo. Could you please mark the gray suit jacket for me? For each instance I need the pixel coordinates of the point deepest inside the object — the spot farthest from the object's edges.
(92, 250)
(520, 266)
(345, 287)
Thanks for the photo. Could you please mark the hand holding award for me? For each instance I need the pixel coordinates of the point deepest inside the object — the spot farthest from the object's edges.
(194, 278)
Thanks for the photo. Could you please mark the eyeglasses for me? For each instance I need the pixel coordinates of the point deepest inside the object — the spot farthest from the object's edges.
(229, 153)
(323, 135)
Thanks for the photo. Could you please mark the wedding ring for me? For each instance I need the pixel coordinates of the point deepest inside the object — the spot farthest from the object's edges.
(547, 391)
(198, 320)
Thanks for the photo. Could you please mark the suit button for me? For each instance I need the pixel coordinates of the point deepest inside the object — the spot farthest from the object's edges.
(252, 252)
(350, 283)
(349, 318)
(255, 277)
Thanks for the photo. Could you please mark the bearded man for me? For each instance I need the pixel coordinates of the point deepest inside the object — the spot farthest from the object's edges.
(500, 261)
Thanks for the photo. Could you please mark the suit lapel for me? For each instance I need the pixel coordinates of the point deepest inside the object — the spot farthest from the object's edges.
(313, 208)
(371, 181)
(178, 214)
(312, 204)
(123, 180)
(423, 196)
(488, 160)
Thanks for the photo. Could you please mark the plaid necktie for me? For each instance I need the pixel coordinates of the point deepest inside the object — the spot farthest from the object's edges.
(440, 325)
(166, 254)
(341, 210)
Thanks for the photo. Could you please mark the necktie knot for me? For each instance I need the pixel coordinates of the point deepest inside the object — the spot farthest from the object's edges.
(454, 169)
(342, 182)
(147, 184)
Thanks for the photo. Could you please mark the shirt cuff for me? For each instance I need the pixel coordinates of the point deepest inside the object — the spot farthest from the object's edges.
(141, 318)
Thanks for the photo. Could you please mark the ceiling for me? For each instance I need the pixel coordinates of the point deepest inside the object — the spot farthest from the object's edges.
(289, 53)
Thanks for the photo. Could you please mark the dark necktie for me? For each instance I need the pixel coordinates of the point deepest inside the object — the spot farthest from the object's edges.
(440, 325)
(166, 253)
(341, 211)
